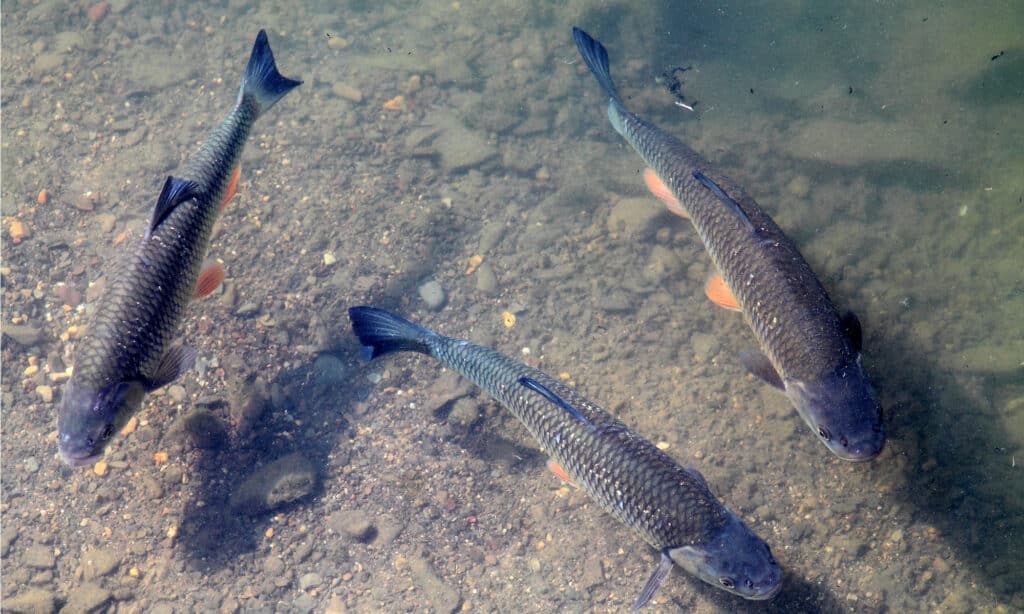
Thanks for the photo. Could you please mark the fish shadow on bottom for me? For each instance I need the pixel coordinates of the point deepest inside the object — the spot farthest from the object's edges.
(224, 516)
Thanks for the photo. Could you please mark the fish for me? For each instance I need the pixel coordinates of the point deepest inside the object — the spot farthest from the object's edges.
(807, 348)
(670, 506)
(127, 352)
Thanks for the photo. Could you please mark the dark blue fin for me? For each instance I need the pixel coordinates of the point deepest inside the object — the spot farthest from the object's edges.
(596, 57)
(758, 364)
(547, 393)
(261, 80)
(175, 362)
(174, 192)
(654, 583)
(851, 328)
(725, 198)
(382, 332)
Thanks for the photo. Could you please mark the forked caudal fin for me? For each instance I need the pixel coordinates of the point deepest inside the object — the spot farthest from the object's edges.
(596, 58)
(382, 332)
(262, 81)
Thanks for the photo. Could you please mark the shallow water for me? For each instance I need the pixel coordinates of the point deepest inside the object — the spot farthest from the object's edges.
(884, 140)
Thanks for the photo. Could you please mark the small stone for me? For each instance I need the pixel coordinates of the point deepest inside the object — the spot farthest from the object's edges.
(354, 523)
(201, 427)
(39, 557)
(330, 371)
(273, 565)
(88, 597)
(32, 601)
(287, 479)
(31, 465)
(176, 392)
(247, 310)
(465, 411)
(432, 294)
(101, 468)
(106, 222)
(486, 280)
(97, 12)
(24, 335)
(19, 231)
(443, 597)
(99, 562)
(8, 534)
(309, 580)
(348, 92)
(330, 258)
(45, 393)
(799, 186)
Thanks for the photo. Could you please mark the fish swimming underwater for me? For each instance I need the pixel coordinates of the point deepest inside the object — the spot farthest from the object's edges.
(124, 354)
(809, 350)
(670, 506)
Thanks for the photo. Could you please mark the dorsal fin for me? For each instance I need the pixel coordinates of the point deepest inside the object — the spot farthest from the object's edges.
(725, 198)
(175, 192)
(547, 393)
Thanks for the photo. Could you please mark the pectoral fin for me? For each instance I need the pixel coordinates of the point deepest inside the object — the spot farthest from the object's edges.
(654, 583)
(758, 364)
(175, 362)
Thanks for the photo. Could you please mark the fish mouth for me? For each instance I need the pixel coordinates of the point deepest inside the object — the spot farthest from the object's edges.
(79, 460)
(769, 594)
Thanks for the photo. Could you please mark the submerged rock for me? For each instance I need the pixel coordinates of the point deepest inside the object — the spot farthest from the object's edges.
(285, 480)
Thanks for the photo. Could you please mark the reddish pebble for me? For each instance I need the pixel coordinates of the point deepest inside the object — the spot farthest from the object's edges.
(97, 11)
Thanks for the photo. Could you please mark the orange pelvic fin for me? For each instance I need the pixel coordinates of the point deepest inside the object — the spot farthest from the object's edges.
(662, 193)
(232, 187)
(210, 278)
(556, 469)
(720, 294)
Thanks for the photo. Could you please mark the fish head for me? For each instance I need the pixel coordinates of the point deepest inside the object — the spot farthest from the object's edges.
(734, 559)
(90, 415)
(843, 411)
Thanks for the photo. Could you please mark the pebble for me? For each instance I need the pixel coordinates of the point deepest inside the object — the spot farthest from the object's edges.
(309, 580)
(354, 523)
(97, 12)
(99, 562)
(45, 393)
(460, 148)
(633, 216)
(201, 427)
(348, 92)
(443, 597)
(8, 534)
(31, 464)
(39, 557)
(247, 310)
(176, 392)
(88, 597)
(273, 565)
(32, 601)
(486, 280)
(25, 335)
(287, 479)
(19, 231)
(106, 222)
(432, 294)
(330, 371)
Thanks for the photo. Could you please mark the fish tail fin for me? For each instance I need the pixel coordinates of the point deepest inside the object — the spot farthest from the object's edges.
(262, 82)
(382, 332)
(596, 58)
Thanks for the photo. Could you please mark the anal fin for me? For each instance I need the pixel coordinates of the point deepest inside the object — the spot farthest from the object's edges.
(663, 193)
(720, 294)
(232, 188)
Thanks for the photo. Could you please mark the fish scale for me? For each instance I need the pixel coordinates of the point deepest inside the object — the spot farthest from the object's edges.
(627, 475)
(810, 351)
(126, 352)
(671, 507)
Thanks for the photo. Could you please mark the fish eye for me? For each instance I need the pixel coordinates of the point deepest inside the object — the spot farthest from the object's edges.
(824, 433)
(726, 582)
